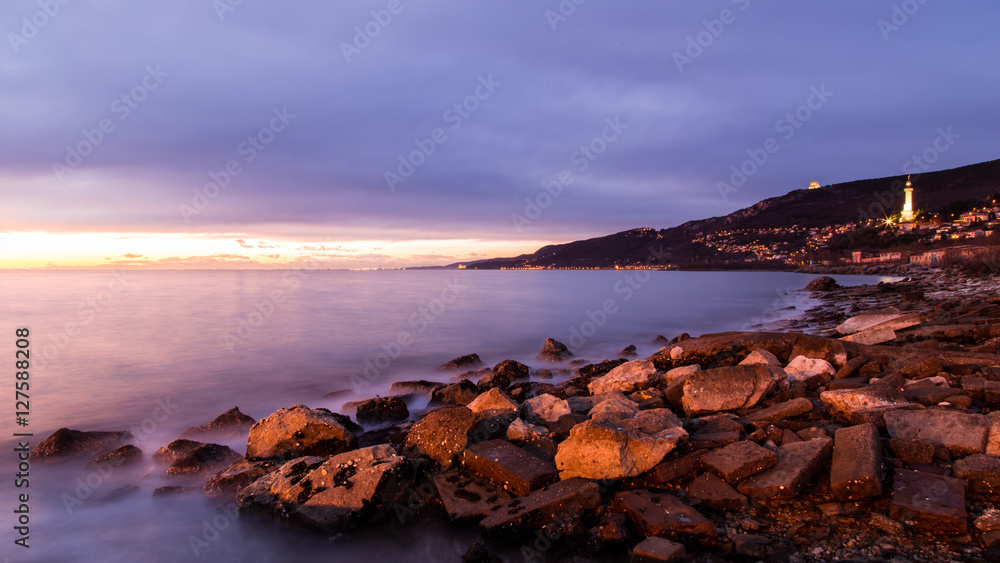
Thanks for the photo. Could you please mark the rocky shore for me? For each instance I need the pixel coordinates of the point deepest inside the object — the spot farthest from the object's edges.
(870, 431)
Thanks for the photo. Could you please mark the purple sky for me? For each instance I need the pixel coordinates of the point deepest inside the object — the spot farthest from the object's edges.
(210, 82)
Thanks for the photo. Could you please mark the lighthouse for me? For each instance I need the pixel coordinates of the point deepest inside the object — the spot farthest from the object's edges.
(907, 215)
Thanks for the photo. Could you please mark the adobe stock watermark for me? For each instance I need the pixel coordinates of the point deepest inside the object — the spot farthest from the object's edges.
(101, 472)
(86, 312)
(900, 16)
(121, 107)
(248, 324)
(565, 10)
(249, 149)
(419, 320)
(787, 127)
(455, 116)
(580, 159)
(696, 44)
(364, 34)
(225, 7)
(32, 25)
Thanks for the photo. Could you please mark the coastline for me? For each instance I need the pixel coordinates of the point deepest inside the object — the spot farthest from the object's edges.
(518, 412)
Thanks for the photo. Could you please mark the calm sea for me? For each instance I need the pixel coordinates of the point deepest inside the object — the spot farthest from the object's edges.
(110, 349)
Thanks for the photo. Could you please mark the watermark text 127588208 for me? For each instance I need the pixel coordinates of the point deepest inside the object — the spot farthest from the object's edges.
(22, 410)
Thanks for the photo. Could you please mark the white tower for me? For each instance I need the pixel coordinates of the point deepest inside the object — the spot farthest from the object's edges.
(907, 215)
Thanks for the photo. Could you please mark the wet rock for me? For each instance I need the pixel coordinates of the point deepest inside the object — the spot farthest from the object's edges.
(963, 434)
(521, 431)
(544, 408)
(513, 371)
(655, 550)
(867, 404)
(527, 514)
(716, 493)
(664, 516)
(822, 283)
(175, 450)
(120, 457)
(935, 503)
(599, 369)
(461, 393)
(671, 470)
(619, 448)
(982, 473)
(441, 434)
(626, 378)
(493, 380)
(728, 388)
(738, 461)
(798, 463)
(230, 480)
(508, 466)
(988, 521)
(230, 424)
(828, 349)
(856, 472)
(554, 351)
(465, 498)
(913, 452)
(470, 361)
(174, 490)
(727, 349)
(494, 399)
(782, 411)
(422, 387)
(65, 444)
(628, 351)
(381, 410)
(206, 459)
(298, 431)
(332, 495)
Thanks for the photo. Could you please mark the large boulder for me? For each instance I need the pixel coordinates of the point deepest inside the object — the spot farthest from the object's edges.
(615, 449)
(230, 424)
(963, 434)
(461, 393)
(812, 372)
(206, 459)
(230, 480)
(66, 444)
(441, 434)
(298, 431)
(544, 408)
(729, 388)
(175, 450)
(332, 495)
(727, 348)
(626, 378)
(381, 410)
(469, 361)
(512, 370)
(554, 351)
(822, 283)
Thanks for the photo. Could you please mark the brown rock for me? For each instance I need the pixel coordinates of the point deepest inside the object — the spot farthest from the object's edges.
(125, 455)
(664, 516)
(229, 481)
(935, 503)
(508, 466)
(671, 470)
(828, 349)
(554, 351)
(738, 461)
(868, 404)
(856, 472)
(470, 361)
(913, 452)
(65, 444)
(494, 399)
(797, 464)
(175, 450)
(655, 550)
(982, 473)
(422, 387)
(963, 434)
(465, 498)
(381, 410)
(728, 388)
(782, 411)
(542, 507)
(206, 459)
(298, 431)
(441, 434)
(716, 493)
(626, 378)
(231, 424)
(461, 393)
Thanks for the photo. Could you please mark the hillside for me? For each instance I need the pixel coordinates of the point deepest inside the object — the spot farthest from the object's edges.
(837, 204)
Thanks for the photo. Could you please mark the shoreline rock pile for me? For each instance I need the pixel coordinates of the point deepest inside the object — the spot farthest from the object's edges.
(778, 446)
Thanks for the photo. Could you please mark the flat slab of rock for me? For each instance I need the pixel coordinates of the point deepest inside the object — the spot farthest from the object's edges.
(856, 472)
(465, 498)
(618, 448)
(65, 444)
(729, 388)
(332, 495)
(868, 320)
(230, 424)
(672, 470)
(982, 472)
(963, 434)
(508, 466)
(782, 411)
(913, 452)
(298, 431)
(525, 515)
(798, 463)
(716, 493)
(664, 516)
(442, 434)
(739, 461)
(655, 550)
(871, 337)
(626, 378)
(867, 404)
(935, 503)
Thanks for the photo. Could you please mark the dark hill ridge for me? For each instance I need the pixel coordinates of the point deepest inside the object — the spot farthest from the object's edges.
(837, 204)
